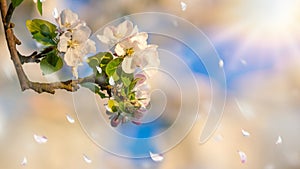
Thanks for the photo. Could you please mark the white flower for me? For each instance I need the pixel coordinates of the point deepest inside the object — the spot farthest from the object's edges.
(113, 35)
(76, 45)
(146, 59)
(68, 20)
(131, 45)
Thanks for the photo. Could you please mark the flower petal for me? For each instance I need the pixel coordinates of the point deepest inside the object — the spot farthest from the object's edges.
(127, 65)
(81, 34)
(62, 45)
(140, 39)
(141, 78)
(68, 18)
(70, 57)
(119, 50)
(124, 29)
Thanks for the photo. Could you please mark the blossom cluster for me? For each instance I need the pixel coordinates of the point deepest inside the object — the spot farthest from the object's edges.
(139, 59)
(121, 74)
(74, 39)
(131, 45)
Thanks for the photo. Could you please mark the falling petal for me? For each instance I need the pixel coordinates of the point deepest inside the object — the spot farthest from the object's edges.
(243, 156)
(111, 81)
(55, 13)
(156, 157)
(70, 119)
(245, 133)
(87, 159)
(279, 140)
(99, 69)
(183, 6)
(24, 161)
(136, 122)
(221, 63)
(40, 139)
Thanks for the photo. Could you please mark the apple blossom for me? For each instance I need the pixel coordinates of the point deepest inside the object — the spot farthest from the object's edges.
(74, 42)
(113, 35)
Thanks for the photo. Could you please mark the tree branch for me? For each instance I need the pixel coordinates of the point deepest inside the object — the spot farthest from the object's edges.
(18, 60)
(9, 13)
(35, 56)
(69, 85)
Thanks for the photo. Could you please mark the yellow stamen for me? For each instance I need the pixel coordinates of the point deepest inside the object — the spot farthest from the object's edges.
(129, 51)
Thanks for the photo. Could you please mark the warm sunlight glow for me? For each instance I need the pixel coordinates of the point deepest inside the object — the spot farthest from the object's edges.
(271, 16)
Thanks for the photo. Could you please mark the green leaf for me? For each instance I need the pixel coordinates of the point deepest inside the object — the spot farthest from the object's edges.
(126, 78)
(112, 66)
(133, 83)
(51, 63)
(115, 76)
(16, 3)
(42, 31)
(100, 59)
(105, 60)
(39, 6)
(94, 88)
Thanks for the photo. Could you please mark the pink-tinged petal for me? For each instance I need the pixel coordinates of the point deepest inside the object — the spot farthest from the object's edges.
(24, 161)
(140, 39)
(119, 50)
(243, 156)
(124, 28)
(107, 37)
(127, 65)
(141, 78)
(151, 56)
(134, 31)
(40, 139)
(115, 121)
(136, 122)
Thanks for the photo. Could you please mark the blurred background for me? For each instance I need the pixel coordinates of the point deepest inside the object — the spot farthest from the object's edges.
(258, 43)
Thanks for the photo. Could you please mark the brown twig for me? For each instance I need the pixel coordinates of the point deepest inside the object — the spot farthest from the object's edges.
(18, 59)
(35, 56)
(69, 85)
